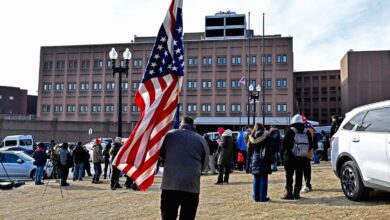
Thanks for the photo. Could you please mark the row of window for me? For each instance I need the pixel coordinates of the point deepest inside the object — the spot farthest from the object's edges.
(235, 83)
(84, 86)
(315, 99)
(191, 107)
(236, 60)
(315, 78)
(85, 108)
(85, 64)
(11, 98)
(137, 63)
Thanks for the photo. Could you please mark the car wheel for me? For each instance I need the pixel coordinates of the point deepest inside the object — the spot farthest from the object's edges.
(351, 182)
(32, 175)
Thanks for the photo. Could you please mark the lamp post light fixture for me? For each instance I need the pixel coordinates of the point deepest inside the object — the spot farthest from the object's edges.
(254, 97)
(120, 70)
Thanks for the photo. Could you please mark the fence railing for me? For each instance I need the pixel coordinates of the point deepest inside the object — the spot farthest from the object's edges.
(19, 117)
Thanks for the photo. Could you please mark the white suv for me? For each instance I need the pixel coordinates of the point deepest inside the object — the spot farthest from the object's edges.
(361, 150)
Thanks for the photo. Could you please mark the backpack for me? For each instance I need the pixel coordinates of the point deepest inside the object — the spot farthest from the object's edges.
(269, 153)
(301, 143)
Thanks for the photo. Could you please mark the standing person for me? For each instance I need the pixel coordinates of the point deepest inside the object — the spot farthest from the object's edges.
(64, 163)
(297, 143)
(334, 125)
(212, 148)
(275, 142)
(307, 165)
(261, 168)
(79, 156)
(97, 159)
(249, 151)
(186, 155)
(225, 157)
(106, 154)
(87, 165)
(115, 171)
(326, 144)
(241, 146)
(40, 158)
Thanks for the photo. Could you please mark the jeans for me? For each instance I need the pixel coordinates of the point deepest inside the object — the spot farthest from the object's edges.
(274, 166)
(221, 170)
(260, 187)
(38, 174)
(316, 159)
(98, 171)
(172, 199)
(78, 171)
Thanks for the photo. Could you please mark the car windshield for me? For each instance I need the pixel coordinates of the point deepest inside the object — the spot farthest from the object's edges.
(25, 157)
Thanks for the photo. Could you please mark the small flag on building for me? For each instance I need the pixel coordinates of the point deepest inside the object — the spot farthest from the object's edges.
(157, 99)
(242, 80)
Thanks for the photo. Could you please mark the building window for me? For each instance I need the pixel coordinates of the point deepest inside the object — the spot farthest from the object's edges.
(71, 87)
(269, 59)
(1, 97)
(110, 86)
(48, 65)
(137, 63)
(108, 63)
(233, 60)
(72, 64)
(221, 84)
(124, 108)
(97, 64)
(97, 86)
(83, 108)
(284, 60)
(85, 64)
(84, 86)
(59, 87)
(125, 86)
(221, 108)
(207, 60)
(269, 108)
(190, 61)
(281, 107)
(324, 77)
(235, 108)
(58, 108)
(109, 108)
(278, 59)
(134, 108)
(235, 83)
(206, 84)
(70, 108)
(192, 84)
(267, 84)
(206, 107)
(60, 64)
(46, 87)
(332, 77)
(253, 59)
(221, 60)
(281, 83)
(11, 98)
(135, 85)
(96, 108)
(191, 108)
(45, 108)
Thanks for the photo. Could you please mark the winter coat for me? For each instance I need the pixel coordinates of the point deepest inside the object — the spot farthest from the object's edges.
(97, 154)
(225, 149)
(212, 144)
(79, 154)
(106, 153)
(114, 150)
(40, 157)
(185, 154)
(241, 145)
(288, 141)
(257, 142)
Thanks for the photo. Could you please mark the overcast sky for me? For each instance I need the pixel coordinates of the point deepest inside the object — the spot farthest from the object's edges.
(322, 30)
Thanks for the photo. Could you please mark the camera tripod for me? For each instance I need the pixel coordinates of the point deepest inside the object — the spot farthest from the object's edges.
(56, 178)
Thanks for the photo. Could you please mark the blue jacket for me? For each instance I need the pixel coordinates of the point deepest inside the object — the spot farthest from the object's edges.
(241, 141)
(259, 166)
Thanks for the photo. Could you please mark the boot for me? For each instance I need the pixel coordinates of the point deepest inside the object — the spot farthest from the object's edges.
(288, 194)
(296, 193)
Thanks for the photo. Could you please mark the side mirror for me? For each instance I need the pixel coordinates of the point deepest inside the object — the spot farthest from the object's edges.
(19, 160)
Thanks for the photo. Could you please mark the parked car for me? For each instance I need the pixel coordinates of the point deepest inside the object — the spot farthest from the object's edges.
(22, 149)
(215, 135)
(361, 150)
(19, 165)
(25, 141)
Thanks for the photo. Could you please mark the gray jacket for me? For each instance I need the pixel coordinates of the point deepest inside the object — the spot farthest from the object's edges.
(225, 150)
(63, 156)
(97, 156)
(185, 155)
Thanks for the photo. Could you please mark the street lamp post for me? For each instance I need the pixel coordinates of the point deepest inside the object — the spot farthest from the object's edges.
(120, 70)
(254, 96)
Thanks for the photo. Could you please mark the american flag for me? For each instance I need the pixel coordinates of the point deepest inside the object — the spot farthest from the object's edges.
(157, 99)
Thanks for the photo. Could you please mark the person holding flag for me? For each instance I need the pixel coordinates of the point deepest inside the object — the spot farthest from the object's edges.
(157, 99)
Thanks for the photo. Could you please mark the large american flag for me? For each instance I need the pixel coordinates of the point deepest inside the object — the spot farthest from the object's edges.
(157, 99)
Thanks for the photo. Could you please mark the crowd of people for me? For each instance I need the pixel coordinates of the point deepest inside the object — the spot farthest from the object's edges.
(186, 156)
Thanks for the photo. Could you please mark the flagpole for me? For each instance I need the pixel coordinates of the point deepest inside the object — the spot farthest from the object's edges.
(249, 65)
(263, 76)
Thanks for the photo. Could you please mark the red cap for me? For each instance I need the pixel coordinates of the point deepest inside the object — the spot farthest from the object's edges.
(97, 141)
(304, 119)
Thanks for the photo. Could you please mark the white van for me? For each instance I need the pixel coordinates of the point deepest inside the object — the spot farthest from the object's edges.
(25, 141)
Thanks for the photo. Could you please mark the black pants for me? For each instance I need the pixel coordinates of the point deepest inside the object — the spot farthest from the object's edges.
(307, 173)
(106, 165)
(64, 174)
(172, 199)
(291, 166)
(223, 169)
(115, 177)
